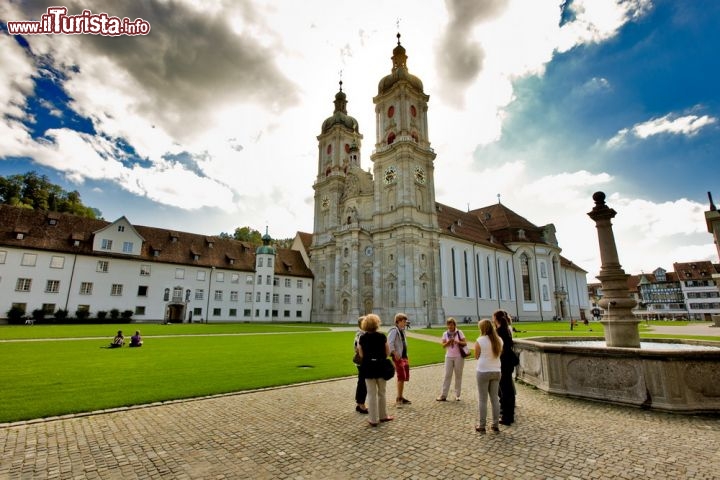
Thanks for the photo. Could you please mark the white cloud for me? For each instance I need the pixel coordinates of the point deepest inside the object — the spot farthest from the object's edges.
(671, 124)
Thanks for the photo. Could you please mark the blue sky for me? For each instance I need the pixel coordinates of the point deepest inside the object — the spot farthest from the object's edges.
(209, 122)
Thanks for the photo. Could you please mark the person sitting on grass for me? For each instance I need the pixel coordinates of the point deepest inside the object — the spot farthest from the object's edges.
(118, 341)
(136, 340)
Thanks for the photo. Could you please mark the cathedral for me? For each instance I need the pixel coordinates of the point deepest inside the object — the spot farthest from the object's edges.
(382, 244)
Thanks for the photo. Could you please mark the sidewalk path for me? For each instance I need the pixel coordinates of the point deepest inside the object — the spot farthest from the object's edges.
(311, 431)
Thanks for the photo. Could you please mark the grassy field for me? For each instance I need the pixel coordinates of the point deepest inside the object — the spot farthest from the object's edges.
(56, 370)
(72, 374)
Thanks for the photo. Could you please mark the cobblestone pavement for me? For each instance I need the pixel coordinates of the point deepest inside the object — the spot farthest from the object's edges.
(311, 431)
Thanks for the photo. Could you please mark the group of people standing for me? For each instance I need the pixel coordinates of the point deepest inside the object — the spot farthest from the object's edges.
(493, 350)
(373, 349)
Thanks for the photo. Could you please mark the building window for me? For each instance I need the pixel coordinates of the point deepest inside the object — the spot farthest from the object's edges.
(3, 256)
(197, 311)
(116, 289)
(142, 291)
(86, 288)
(217, 312)
(298, 300)
(269, 265)
(299, 284)
(525, 274)
(454, 273)
(140, 310)
(232, 312)
(127, 247)
(220, 277)
(23, 284)
(235, 278)
(28, 260)
(106, 244)
(48, 308)
(276, 298)
(286, 299)
(218, 295)
(177, 294)
(199, 294)
(287, 282)
(83, 308)
(257, 297)
(144, 270)
(179, 273)
(298, 313)
(103, 266)
(546, 296)
(246, 312)
(286, 313)
(260, 261)
(259, 282)
(233, 296)
(200, 277)
(267, 297)
(121, 228)
(268, 280)
(57, 262)
(249, 279)
(52, 286)
(248, 297)
(543, 270)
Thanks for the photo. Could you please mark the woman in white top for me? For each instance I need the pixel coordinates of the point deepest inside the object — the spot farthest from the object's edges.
(487, 352)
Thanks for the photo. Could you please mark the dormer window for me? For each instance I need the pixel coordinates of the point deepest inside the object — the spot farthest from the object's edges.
(76, 243)
(52, 221)
(121, 228)
(196, 257)
(20, 235)
(231, 261)
(156, 253)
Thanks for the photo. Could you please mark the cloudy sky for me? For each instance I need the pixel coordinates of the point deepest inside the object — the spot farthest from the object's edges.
(209, 122)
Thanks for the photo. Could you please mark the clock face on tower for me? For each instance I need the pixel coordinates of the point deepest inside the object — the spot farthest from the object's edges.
(369, 251)
(390, 175)
(419, 175)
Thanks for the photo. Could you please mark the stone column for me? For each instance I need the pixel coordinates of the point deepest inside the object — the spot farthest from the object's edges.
(621, 327)
(712, 219)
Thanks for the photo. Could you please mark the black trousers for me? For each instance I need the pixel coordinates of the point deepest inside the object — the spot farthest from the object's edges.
(507, 395)
(361, 388)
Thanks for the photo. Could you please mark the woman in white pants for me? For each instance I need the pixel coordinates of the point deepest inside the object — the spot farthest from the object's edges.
(452, 341)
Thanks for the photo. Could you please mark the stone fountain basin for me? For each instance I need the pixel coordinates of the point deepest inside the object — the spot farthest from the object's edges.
(673, 375)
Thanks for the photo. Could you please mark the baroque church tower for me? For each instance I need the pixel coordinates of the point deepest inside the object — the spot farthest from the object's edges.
(376, 236)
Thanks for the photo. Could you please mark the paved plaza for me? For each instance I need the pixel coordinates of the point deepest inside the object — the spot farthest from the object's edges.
(311, 431)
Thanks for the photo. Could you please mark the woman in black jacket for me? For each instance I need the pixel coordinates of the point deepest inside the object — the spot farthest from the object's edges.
(508, 361)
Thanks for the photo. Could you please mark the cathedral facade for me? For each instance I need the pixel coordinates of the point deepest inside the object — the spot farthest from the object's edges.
(382, 244)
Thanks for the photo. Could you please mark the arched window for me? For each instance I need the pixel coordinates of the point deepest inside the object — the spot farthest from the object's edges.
(525, 274)
(391, 138)
(546, 297)
(543, 270)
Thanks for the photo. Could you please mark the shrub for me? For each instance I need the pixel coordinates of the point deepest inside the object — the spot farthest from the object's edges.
(114, 314)
(101, 315)
(127, 315)
(82, 315)
(38, 315)
(61, 315)
(15, 316)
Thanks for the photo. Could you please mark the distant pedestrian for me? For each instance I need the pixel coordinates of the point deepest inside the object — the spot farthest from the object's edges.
(398, 352)
(452, 341)
(136, 340)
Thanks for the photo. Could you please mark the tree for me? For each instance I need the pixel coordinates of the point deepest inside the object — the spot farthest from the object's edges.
(247, 234)
(34, 191)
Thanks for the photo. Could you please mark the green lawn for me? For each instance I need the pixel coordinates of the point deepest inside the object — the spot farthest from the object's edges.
(55, 377)
(56, 370)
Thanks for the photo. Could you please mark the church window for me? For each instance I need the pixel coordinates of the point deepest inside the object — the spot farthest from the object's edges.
(546, 297)
(329, 149)
(543, 270)
(391, 138)
(346, 277)
(467, 278)
(345, 251)
(368, 278)
(489, 276)
(479, 275)
(391, 111)
(413, 110)
(454, 273)
(525, 274)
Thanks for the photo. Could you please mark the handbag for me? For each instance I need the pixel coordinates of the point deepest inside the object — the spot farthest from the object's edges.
(357, 359)
(388, 369)
(464, 350)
